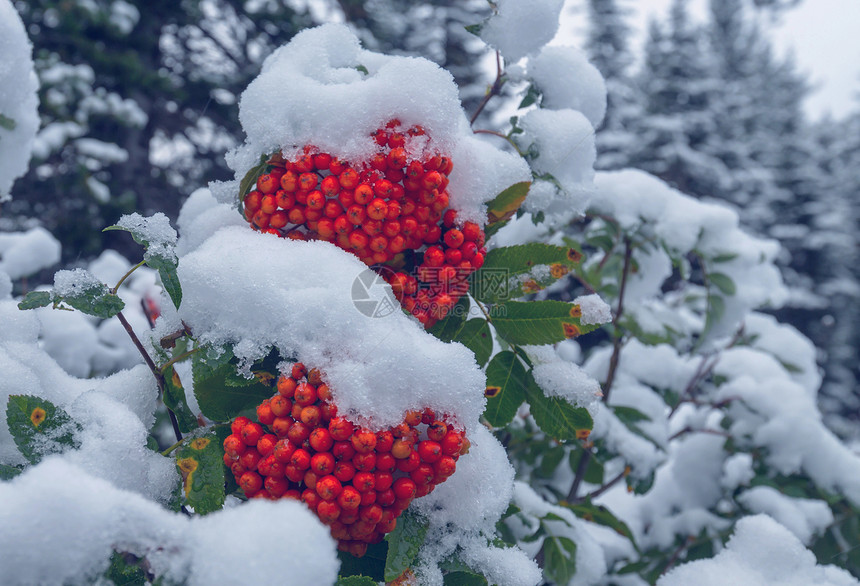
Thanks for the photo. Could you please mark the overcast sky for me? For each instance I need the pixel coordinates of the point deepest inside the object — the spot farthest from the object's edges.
(824, 35)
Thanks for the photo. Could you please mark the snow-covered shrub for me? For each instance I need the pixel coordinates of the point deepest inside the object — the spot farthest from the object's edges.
(683, 417)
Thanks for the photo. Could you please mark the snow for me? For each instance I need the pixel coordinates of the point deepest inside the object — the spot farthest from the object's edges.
(559, 378)
(155, 231)
(80, 519)
(18, 100)
(289, 105)
(761, 551)
(803, 517)
(71, 283)
(26, 253)
(521, 27)
(594, 309)
(567, 80)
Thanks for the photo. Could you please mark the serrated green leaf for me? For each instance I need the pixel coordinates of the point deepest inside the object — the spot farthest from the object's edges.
(556, 417)
(9, 472)
(35, 299)
(506, 382)
(175, 400)
(217, 386)
(505, 205)
(356, 581)
(39, 427)
(91, 297)
(538, 322)
(362, 69)
(7, 123)
(403, 544)
(475, 29)
(602, 516)
(723, 282)
(447, 328)
(476, 336)
(200, 462)
(640, 485)
(559, 559)
(513, 271)
(166, 268)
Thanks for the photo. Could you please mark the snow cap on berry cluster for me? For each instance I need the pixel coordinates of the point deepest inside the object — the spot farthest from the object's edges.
(323, 90)
(19, 118)
(321, 305)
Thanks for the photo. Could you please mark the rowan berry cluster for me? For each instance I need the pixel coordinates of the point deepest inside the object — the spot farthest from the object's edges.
(357, 481)
(392, 209)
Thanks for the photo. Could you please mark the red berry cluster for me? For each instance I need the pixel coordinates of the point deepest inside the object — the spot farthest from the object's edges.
(377, 209)
(357, 481)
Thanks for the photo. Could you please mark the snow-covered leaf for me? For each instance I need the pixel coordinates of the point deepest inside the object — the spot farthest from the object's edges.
(506, 382)
(403, 544)
(39, 427)
(200, 464)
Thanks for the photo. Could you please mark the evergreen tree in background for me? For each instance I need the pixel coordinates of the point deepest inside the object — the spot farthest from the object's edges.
(677, 85)
(608, 47)
(139, 99)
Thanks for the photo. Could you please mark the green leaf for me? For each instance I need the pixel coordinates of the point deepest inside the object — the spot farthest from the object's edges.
(630, 417)
(372, 564)
(35, 299)
(475, 335)
(532, 95)
(250, 179)
(493, 228)
(716, 310)
(550, 461)
(166, 268)
(723, 282)
(7, 123)
(559, 559)
(356, 581)
(125, 571)
(175, 400)
(724, 257)
(506, 383)
(201, 465)
(538, 322)
(602, 516)
(505, 205)
(475, 29)
(89, 296)
(362, 69)
(462, 578)
(447, 328)
(404, 543)
(39, 427)
(514, 271)
(556, 417)
(9, 472)
(593, 469)
(221, 392)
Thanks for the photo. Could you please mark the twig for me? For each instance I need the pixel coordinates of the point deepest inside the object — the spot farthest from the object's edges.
(619, 340)
(126, 276)
(689, 429)
(179, 358)
(599, 491)
(495, 89)
(580, 474)
(677, 554)
(159, 377)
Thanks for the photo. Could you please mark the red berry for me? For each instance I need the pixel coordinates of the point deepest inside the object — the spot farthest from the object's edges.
(321, 439)
(251, 434)
(329, 488)
(323, 463)
(250, 483)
